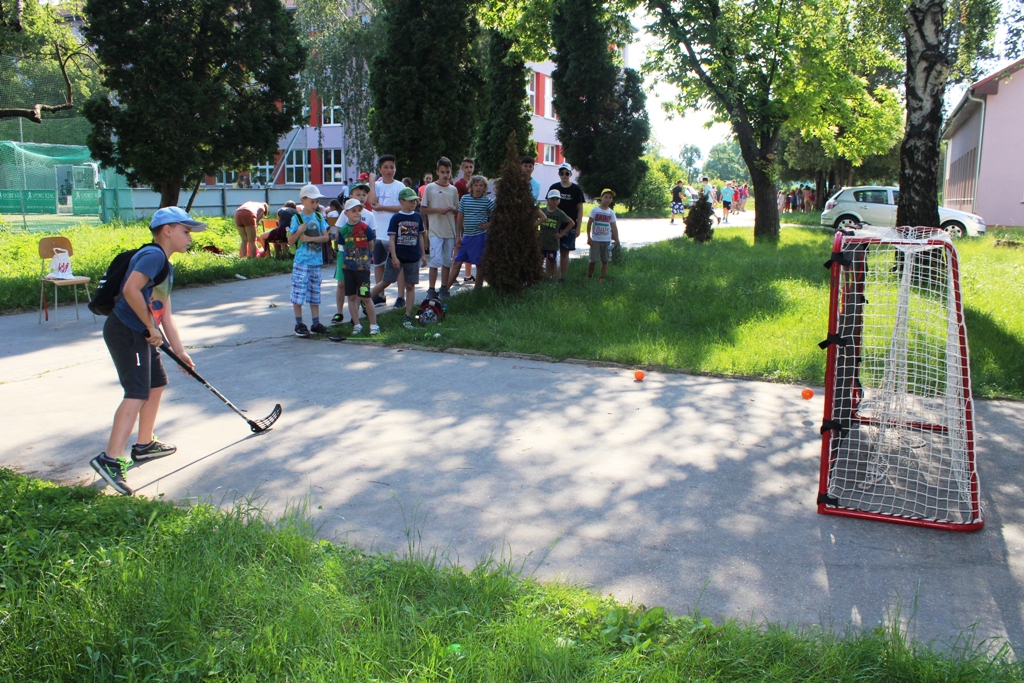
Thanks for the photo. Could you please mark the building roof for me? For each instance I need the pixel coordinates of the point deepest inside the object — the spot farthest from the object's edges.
(989, 85)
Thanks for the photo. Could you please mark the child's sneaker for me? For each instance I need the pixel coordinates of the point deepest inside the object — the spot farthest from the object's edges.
(301, 330)
(399, 302)
(432, 293)
(357, 329)
(337, 319)
(374, 329)
(318, 329)
(444, 294)
(469, 279)
(408, 322)
(152, 450)
(379, 300)
(112, 471)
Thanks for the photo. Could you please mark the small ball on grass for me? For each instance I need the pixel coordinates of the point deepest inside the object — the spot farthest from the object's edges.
(808, 394)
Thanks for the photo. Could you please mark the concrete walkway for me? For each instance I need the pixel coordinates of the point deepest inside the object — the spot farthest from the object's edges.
(678, 491)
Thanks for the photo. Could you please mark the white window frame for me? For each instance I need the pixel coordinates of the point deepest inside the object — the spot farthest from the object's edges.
(330, 115)
(531, 90)
(334, 162)
(264, 171)
(549, 109)
(227, 178)
(297, 160)
(550, 155)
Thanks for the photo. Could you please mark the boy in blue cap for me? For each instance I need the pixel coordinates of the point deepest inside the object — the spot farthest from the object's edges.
(140, 322)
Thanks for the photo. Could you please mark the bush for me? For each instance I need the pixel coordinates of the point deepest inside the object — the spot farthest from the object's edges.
(700, 220)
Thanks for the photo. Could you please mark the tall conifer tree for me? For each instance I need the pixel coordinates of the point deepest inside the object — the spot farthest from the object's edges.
(601, 107)
(508, 110)
(512, 259)
(425, 82)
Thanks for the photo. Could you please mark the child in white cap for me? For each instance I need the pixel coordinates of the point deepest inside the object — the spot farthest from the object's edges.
(309, 230)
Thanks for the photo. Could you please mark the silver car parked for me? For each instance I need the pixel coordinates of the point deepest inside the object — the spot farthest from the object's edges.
(876, 205)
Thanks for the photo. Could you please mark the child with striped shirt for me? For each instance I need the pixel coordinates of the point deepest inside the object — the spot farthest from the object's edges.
(471, 224)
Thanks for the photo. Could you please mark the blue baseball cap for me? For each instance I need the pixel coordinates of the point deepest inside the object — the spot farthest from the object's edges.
(174, 214)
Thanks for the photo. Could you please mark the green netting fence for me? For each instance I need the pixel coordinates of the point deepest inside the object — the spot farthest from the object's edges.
(47, 187)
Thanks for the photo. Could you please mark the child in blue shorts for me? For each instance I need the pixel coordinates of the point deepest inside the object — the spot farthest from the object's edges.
(309, 230)
(471, 224)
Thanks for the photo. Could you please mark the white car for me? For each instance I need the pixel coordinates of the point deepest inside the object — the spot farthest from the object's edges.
(876, 205)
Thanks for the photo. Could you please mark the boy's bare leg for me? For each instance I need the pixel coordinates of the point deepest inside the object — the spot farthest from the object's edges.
(469, 270)
(297, 308)
(590, 270)
(453, 274)
(371, 312)
(604, 269)
(378, 274)
(353, 309)
(147, 415)
(401, 282)
(410, 298)
(380, 287)
(479, 276)
(124, 422)
(563, 263)
(339, 299)
(433, 278)
(314, 310)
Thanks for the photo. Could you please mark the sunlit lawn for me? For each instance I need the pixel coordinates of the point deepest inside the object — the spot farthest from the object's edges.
(730, 307)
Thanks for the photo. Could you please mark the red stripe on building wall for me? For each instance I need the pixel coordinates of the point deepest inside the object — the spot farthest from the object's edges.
(540, 152)
(539, 97)
(559, 159)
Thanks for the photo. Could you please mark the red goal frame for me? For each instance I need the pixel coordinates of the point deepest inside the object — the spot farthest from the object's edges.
(843, 394)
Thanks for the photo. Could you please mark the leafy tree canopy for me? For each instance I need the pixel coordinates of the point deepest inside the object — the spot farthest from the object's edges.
(506, 113)
(197, 85)
(426, 82)
(42, 63)
(761, 65)
(337, 70)
(689, 158)
(1014, 42)
(726, 163)
(601, 107)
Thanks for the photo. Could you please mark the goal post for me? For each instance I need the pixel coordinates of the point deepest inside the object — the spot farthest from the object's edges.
(898, 429)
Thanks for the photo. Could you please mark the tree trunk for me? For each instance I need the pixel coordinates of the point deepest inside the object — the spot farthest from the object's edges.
(760, 161)
(169, 192)
(927, 72)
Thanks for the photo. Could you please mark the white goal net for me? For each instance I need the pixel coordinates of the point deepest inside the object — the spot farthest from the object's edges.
(898, 440)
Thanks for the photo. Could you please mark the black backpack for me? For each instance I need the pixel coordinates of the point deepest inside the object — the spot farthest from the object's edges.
(432, 310)
(110, 284)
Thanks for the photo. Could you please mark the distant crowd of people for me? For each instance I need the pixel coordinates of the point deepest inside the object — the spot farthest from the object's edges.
(798, 198)
(732, 198)
(391, 228)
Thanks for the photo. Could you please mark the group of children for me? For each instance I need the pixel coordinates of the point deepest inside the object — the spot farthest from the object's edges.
(443, 227)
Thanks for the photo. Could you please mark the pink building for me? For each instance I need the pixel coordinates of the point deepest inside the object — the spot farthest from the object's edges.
(984, 173)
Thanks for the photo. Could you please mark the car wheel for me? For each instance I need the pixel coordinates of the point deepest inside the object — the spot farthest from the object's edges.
(955, 229)
(846, 222)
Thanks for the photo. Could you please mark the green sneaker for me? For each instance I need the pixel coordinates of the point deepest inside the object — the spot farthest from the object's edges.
(152, 450)
(112, 471)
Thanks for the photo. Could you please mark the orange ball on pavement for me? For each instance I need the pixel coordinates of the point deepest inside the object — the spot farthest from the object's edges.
(807, 394)
(639, 374)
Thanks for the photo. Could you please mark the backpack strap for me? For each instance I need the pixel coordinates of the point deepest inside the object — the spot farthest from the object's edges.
(166, 270)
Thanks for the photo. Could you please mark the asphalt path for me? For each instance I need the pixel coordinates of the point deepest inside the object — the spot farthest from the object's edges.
(680, 490)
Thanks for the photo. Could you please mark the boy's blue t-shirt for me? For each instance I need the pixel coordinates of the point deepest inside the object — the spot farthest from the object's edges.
(309, 253)
(149, 261)
(407, 228)
(727, 193)
(535, 188)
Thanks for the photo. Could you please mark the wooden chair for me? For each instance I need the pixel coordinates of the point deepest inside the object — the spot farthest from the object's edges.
(46, 247)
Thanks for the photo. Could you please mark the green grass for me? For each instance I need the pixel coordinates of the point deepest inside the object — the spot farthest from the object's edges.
(96, 245)
(100, 588)
(729, 307)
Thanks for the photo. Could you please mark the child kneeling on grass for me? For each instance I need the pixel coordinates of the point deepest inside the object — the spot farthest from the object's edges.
(132, 334)
(353, 270)
(601, 230)
(407, 238)
(309, 230)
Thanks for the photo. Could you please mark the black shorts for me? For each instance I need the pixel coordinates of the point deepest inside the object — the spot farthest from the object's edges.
(567, 242)
(138, 364)
(726, 205)
(278, 235)
(354, 279)
(380, 252)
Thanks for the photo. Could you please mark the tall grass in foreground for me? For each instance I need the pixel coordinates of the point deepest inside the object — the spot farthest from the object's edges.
(730, 306)
(101, 588)
(96, 245)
